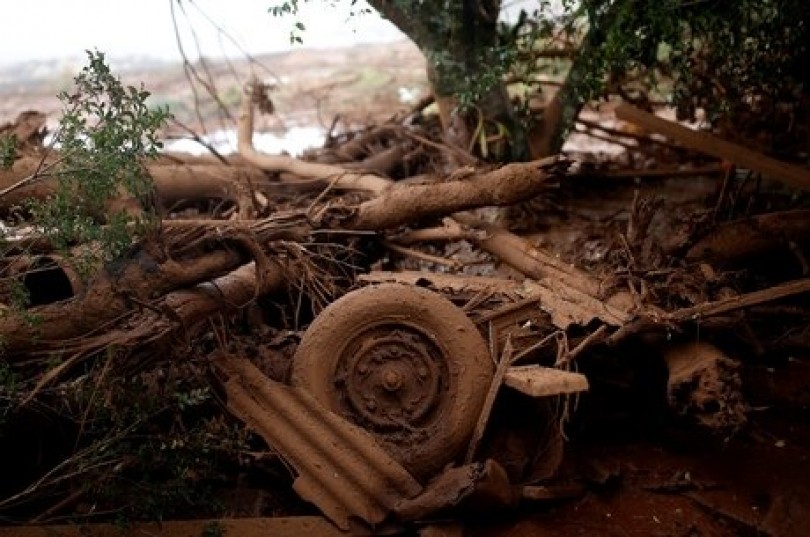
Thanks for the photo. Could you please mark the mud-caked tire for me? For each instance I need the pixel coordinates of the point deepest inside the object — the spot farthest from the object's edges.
(405, 364)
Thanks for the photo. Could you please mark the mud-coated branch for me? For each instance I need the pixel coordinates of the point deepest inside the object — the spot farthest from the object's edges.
(334, 175)
(110, 296)
(503, 186)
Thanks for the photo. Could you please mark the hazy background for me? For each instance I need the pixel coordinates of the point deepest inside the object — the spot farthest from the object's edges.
(63, 29)
(44, 41)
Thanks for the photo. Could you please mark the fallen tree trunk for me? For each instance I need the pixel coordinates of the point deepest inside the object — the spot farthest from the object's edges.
(114, 292)
(792, 176)
(173, 183)
(763, 234)
(404, 204)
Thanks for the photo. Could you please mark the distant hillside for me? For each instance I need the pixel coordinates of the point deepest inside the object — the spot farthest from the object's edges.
(362, 84)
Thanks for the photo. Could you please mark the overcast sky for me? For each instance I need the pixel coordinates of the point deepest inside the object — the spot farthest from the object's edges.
(42, 29)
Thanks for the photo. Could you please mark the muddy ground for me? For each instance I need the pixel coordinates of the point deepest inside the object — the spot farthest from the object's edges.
(647, 471)
(631, 465)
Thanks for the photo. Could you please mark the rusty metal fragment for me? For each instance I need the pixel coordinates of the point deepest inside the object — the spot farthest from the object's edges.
(341, 468)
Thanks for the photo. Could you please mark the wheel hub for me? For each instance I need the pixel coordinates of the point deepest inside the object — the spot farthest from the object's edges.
(391, 377)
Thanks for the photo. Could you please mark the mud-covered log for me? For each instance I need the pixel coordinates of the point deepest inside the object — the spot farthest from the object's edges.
(410, 203)
(531, 261)
(763, 234)
(233, 290)
(788, 174)
(134, 283)
(207, 181)
(173, 182)
(171, 316)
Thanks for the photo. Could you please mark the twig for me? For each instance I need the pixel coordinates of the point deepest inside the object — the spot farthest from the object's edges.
(708, 309)
(421, 255)
(196, 137)
(40, 173)
(450, 232)
(457, 152)
(489, 401)
(594, 337)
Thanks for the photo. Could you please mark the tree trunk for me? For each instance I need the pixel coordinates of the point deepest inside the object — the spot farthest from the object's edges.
(586, 72)
(173, 182)
(460, 43)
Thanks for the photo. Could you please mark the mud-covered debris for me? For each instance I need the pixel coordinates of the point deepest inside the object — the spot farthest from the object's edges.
(793, 176)
(764, 234)
(481, 487)
(539, 381)
(704, 384)
(28, 130)
(341, 468)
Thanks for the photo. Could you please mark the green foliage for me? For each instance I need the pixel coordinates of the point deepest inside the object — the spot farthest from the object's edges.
(105, 134)
(291, 7)
(161, 430)
(8, 151)
(714, 55)
(730, 58)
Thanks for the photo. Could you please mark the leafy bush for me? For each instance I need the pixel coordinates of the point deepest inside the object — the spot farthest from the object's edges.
(104, 194)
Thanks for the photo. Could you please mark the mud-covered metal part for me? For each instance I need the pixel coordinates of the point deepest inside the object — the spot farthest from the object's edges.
(405, 364)
(565, 304)
(391, 375)
(341, 468)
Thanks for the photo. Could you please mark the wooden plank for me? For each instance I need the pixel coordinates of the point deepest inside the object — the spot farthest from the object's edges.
(539, 381)
(489, 401)
(233, 527)
(790, 175)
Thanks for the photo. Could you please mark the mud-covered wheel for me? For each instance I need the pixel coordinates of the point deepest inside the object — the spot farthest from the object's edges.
(405, 364)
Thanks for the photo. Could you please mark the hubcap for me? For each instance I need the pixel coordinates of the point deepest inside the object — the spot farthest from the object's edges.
(391, 377)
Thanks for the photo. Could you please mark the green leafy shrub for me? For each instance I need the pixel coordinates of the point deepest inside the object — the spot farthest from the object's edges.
(106, 133)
